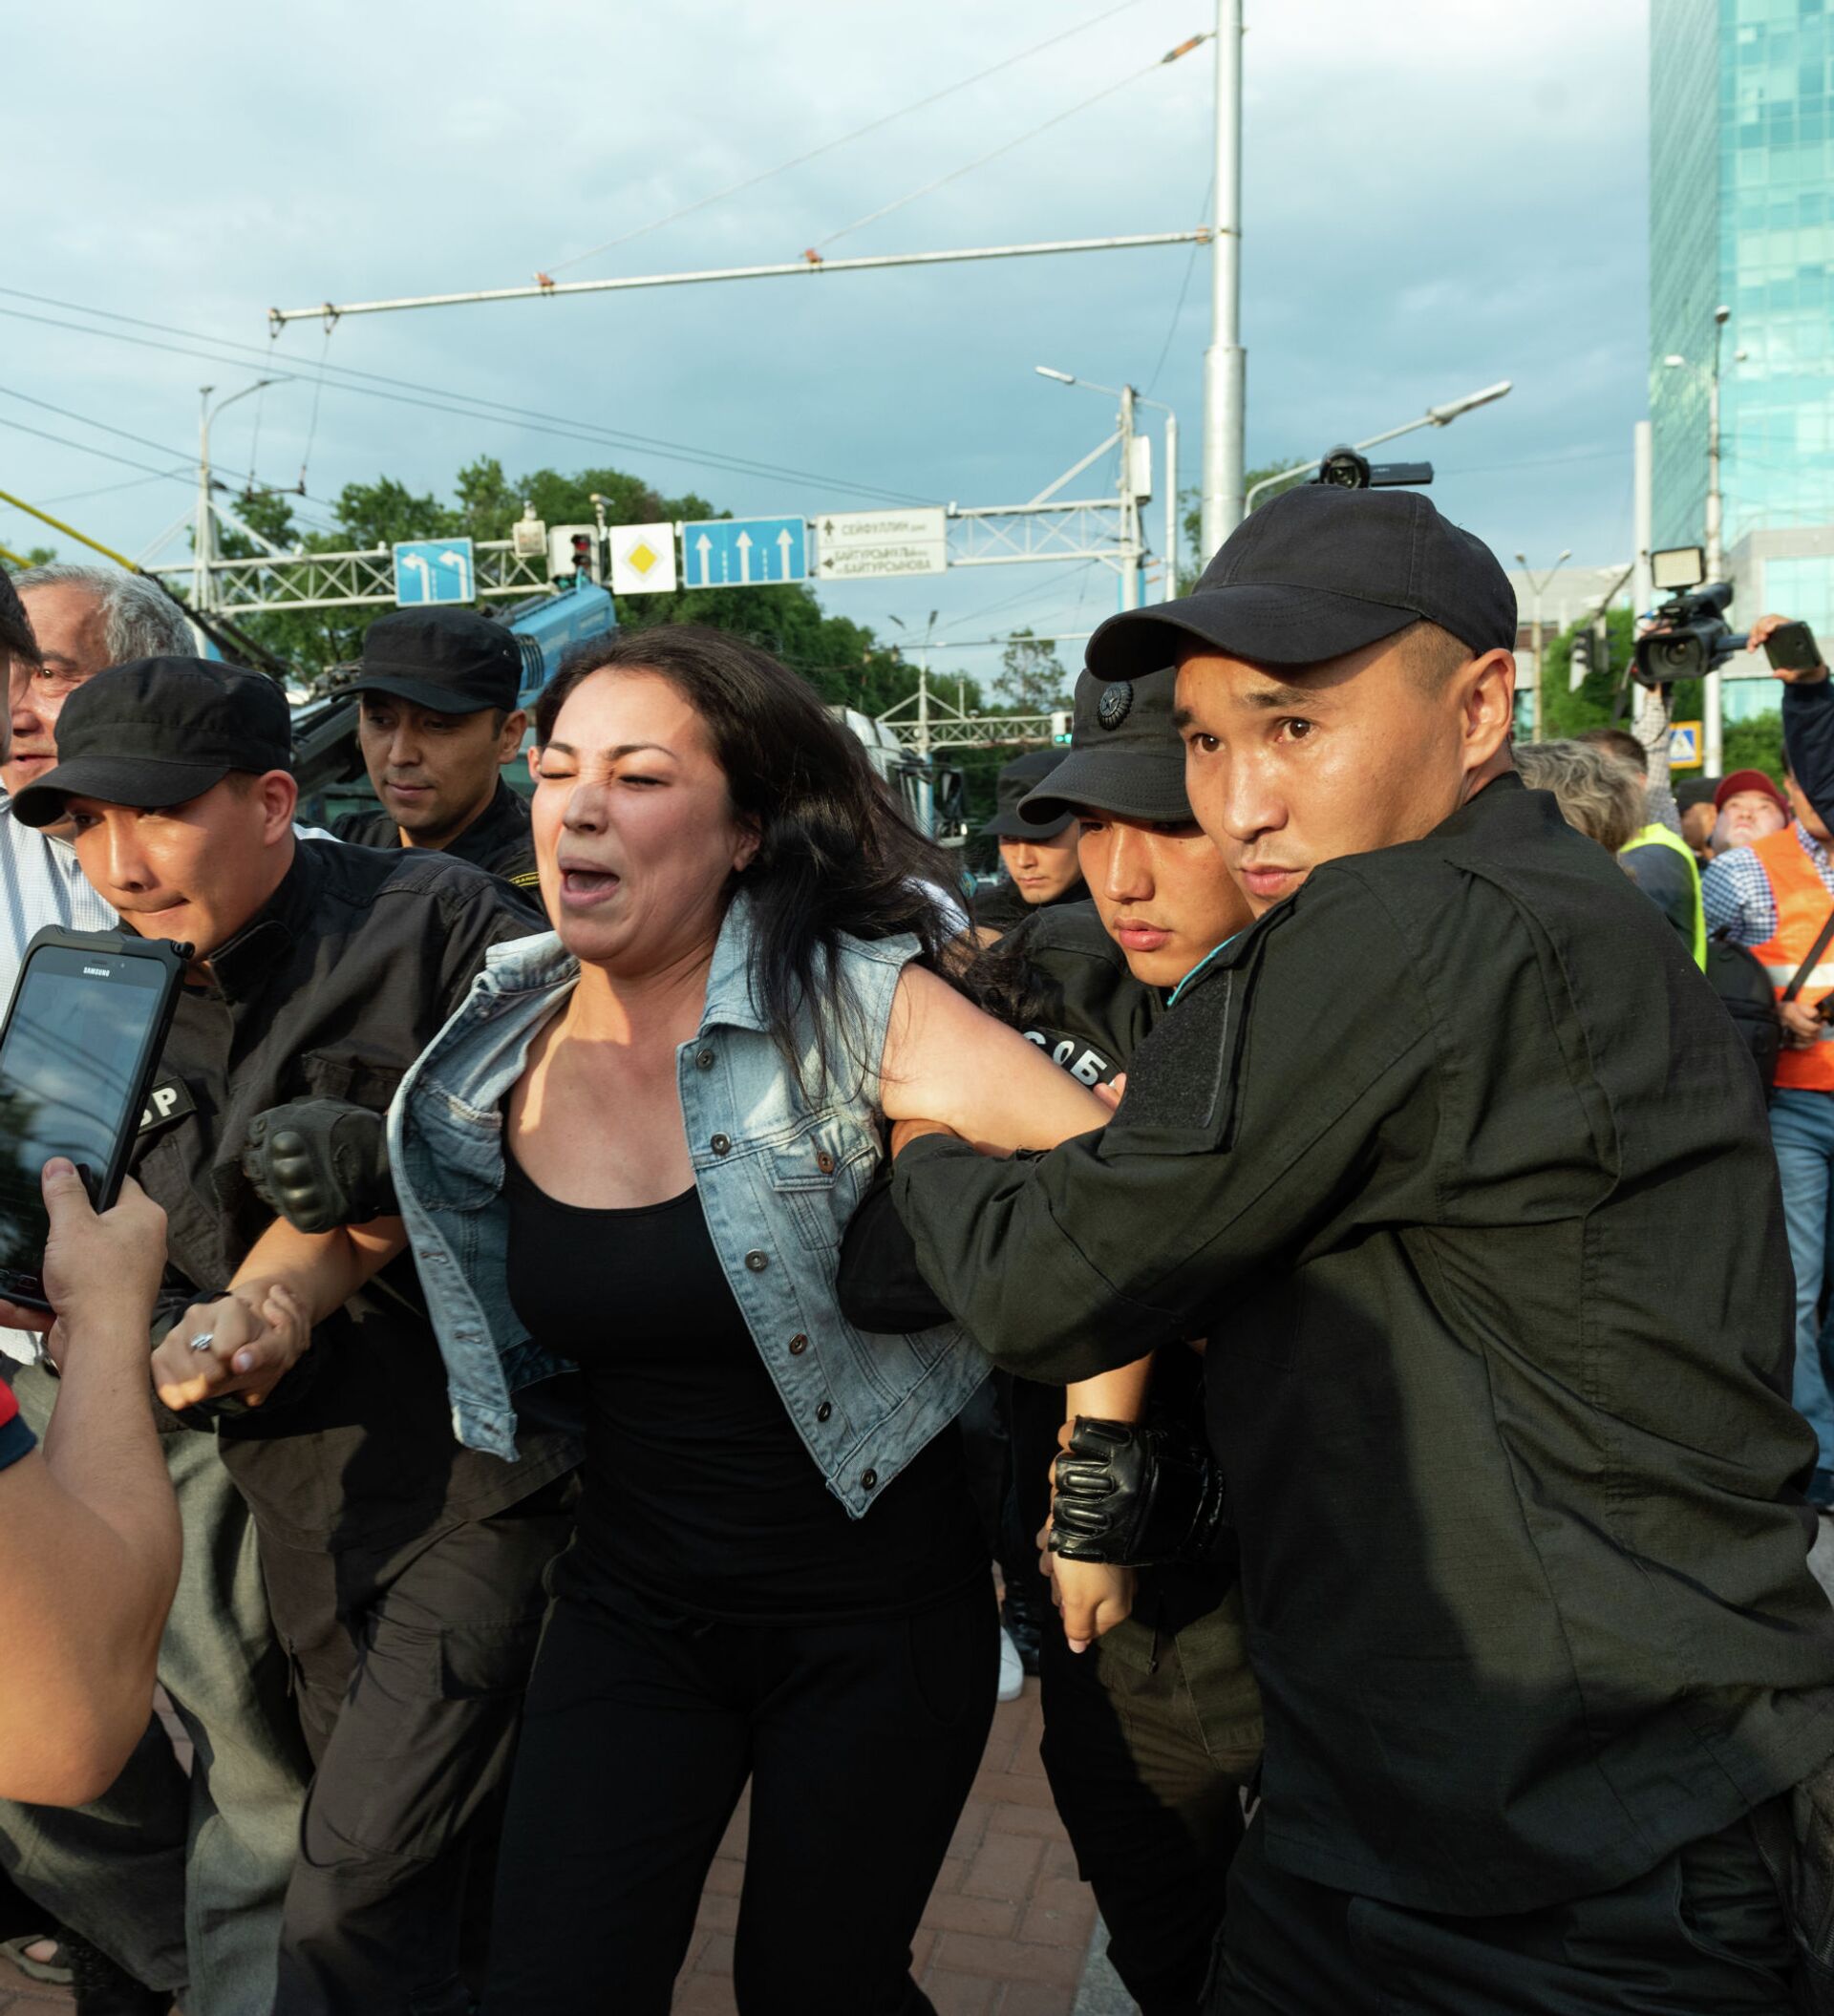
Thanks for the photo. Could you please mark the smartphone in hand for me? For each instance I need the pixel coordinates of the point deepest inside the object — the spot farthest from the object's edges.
(78, 1051)
(1791, 648)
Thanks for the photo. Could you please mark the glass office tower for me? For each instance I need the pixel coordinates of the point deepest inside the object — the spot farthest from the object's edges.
(1741, 214)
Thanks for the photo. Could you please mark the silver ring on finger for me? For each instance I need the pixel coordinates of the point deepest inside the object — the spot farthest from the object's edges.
(203, 1341)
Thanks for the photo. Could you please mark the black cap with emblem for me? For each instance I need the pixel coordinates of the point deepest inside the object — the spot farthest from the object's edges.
(1125, 755)
(1023, 774)
(1316, 574)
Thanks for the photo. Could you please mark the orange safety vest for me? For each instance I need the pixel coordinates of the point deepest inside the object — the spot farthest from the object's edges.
(1803, 906)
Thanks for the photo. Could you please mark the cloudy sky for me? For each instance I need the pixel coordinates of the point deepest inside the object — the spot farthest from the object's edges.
(1436, 195)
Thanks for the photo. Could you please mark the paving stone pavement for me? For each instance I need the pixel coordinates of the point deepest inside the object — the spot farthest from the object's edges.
(1008, 1925)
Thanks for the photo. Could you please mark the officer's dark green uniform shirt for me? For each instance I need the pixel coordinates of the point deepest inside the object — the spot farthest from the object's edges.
(1460, 1167)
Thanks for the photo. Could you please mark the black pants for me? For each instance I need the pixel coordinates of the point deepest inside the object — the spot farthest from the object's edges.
(1148, 1739)
(860, 1741)
(1701, 1934)
(410, 1675)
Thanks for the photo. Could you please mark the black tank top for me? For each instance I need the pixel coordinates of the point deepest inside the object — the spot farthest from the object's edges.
(699, 1493)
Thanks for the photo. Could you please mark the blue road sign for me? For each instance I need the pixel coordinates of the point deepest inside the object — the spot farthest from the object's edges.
(743, 552)
(434, 570)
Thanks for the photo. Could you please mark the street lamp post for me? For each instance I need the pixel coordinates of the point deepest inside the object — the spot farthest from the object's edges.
(1433, 417)
(204, 545)
(1711, 696)
(1129, 398)
(1224, 361)
(1536, 586)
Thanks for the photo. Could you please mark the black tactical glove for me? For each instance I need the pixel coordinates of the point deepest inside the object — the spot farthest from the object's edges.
(1133, 1496)
(321, 1163)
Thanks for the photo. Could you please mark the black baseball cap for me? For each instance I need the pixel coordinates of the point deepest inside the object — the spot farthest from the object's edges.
(1317, 572)
(160, 732)
(453, 661)
(1125, 755)
(1016, 780)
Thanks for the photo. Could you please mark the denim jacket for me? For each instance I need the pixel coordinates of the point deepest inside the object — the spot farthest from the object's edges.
(778, 1177)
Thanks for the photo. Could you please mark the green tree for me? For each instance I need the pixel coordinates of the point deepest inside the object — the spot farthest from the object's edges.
(1193, 560)
(1032, 680)
(31, 556)
(1754, 743)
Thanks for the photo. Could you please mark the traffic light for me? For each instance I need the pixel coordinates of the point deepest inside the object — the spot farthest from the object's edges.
(1579, 663)
(1060, 725)
(573, 553)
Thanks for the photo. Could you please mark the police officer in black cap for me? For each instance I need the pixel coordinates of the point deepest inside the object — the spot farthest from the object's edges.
(1150, 1736)
(404, 1572)
(1039, 858)
(1466, 1179)
(438, 721)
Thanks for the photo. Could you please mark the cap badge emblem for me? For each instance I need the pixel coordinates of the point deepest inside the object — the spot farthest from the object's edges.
(1115, 703)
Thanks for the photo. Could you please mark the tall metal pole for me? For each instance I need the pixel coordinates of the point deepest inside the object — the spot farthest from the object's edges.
(1713, 699)
(1130, 550)
(1171, 505)
(202, 544)
(1652, 716)
(1225, 362)
(1534, 717)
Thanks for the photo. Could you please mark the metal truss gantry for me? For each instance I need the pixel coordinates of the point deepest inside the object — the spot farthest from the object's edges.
(358, 579)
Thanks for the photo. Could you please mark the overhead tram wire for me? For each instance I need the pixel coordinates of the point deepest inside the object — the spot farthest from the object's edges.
(828, 146)
(474, 407)
(1183, 289)
(82, 419)
(1057, 118)
(107, 454)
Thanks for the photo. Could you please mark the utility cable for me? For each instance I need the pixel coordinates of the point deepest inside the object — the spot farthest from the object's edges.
(107, 454)
(1006, 146)
(64, 412)
(828, 146)
(1183, 289)
(473, 408)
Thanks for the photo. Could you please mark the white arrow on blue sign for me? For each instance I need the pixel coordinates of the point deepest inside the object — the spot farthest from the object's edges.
(743, 552)
(434, 570)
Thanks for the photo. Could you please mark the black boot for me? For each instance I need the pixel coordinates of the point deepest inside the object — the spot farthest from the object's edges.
(105, 1989)
(1023, 1624)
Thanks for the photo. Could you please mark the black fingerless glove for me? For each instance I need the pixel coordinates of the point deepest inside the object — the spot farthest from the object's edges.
(1134, 1496)
(321, 1163)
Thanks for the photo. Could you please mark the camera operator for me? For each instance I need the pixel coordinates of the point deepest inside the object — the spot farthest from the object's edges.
(437, 721)
(91, 1530)
(1449, 1158)
(404, 1573)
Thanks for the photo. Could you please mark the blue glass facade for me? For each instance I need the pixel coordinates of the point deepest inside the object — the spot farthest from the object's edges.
(1742, 212)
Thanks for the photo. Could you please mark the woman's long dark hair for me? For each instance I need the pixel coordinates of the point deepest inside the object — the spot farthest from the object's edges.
(835, 856)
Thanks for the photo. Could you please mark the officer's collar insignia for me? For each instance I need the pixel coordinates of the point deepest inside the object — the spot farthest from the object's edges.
(1115, 703)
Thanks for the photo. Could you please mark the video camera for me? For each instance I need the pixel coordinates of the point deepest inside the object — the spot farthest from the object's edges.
(1348, 468)
(1694, 635)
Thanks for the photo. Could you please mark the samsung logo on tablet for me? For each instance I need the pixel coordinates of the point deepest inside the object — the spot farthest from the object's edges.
(98, 972)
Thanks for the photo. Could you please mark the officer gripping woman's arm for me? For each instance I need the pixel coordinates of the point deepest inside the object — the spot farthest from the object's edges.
(1464, 1174)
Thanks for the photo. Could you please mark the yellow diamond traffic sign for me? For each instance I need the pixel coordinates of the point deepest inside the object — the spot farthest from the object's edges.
(643, 560)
